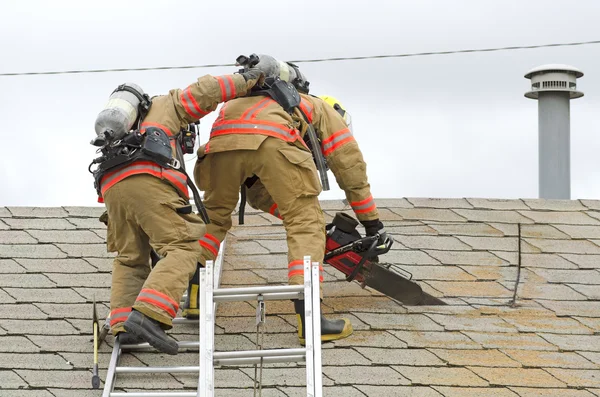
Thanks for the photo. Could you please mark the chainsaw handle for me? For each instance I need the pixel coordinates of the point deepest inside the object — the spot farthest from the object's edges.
(360, 264)
(386, 246)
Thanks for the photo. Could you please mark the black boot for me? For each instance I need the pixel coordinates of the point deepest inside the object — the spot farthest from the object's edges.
(190, 307)
(330, 329)
(125, 338)
(143, 327)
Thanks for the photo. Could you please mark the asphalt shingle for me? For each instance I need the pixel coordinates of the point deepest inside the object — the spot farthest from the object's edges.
(53, 263)
(10, 266)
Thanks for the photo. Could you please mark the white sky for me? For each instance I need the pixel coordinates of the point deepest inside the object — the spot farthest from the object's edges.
(435, 126)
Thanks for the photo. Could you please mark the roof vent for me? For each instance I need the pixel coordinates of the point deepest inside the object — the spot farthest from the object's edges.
(553, 86)
(554, 77)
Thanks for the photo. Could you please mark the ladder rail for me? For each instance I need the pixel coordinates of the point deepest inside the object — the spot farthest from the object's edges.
(206, 327)
(308, 328)
(316, 325)
(111, 372)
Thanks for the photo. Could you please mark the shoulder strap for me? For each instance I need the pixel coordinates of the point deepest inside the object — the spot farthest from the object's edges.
(315, 148)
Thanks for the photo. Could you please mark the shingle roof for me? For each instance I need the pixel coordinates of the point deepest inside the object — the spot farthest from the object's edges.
(53, 261)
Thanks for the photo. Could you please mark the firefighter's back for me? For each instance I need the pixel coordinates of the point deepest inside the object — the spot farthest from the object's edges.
(244, 123)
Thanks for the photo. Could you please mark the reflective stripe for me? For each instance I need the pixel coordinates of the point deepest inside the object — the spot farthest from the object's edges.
(307, 109)
(320, 273)
(119, 315)
(211, 243)
(222, 86)
(253, 111)
(229, 80)
(140, 167)
(227, 87)
(145, 167)
(147, 124)
(274, 210)
(159, 300)
(221, 116)
(335, 136)
(296, 268)
(177, 179)
(366, 205)
(336, 140)
(245, 127)
(191, 106)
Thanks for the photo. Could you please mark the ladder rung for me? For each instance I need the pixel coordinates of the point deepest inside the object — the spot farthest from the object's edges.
(269, 296)
(259, 353)
(156, 394)
(146, 346)
(258, 290)
(157, 370)
(183, 320)
(224, 361)
(256, 360)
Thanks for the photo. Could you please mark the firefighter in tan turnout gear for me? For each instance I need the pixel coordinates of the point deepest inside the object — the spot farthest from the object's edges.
(256, 137)
(259, 198)
(140, 179)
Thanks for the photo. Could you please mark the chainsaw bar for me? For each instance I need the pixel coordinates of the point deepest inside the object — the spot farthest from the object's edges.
(386, 280)
(355, 256)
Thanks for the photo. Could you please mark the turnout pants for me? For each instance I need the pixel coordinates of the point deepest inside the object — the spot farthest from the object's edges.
(289, 175)
(145, 212)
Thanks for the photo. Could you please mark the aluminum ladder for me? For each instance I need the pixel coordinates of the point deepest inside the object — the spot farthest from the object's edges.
(311, 353)
(114, 369)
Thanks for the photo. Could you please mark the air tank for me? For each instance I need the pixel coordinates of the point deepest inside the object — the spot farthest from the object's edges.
(119, 114)
(272, 67)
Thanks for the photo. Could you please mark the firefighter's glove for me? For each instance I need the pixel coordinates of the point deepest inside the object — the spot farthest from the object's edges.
(373, 228)
(253, 76)
(384, 242)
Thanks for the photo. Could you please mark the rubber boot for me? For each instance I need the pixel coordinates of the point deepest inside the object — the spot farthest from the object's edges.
(190, 307)
(330, 329)
(125, 338)
(150, 331)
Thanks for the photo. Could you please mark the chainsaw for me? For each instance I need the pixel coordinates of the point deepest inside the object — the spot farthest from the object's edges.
(357, 258)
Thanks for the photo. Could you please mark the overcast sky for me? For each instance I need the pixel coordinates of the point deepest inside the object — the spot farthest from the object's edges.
(432, 126)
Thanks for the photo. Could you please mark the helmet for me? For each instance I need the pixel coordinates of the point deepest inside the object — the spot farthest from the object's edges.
(286, 71)
(334, 103)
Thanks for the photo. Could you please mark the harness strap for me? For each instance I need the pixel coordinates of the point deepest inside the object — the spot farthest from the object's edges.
(154, 149)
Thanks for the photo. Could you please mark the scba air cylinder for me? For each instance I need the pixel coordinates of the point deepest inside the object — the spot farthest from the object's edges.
(120, 113)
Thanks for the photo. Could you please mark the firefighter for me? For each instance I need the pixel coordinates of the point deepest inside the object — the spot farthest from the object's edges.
(255, 137)
(258, 197)
(148, 206)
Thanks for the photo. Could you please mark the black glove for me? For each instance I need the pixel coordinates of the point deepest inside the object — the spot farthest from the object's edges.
(375, 227)
(253, 75)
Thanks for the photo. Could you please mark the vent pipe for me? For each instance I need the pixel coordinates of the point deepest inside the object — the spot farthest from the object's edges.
(554, 86)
